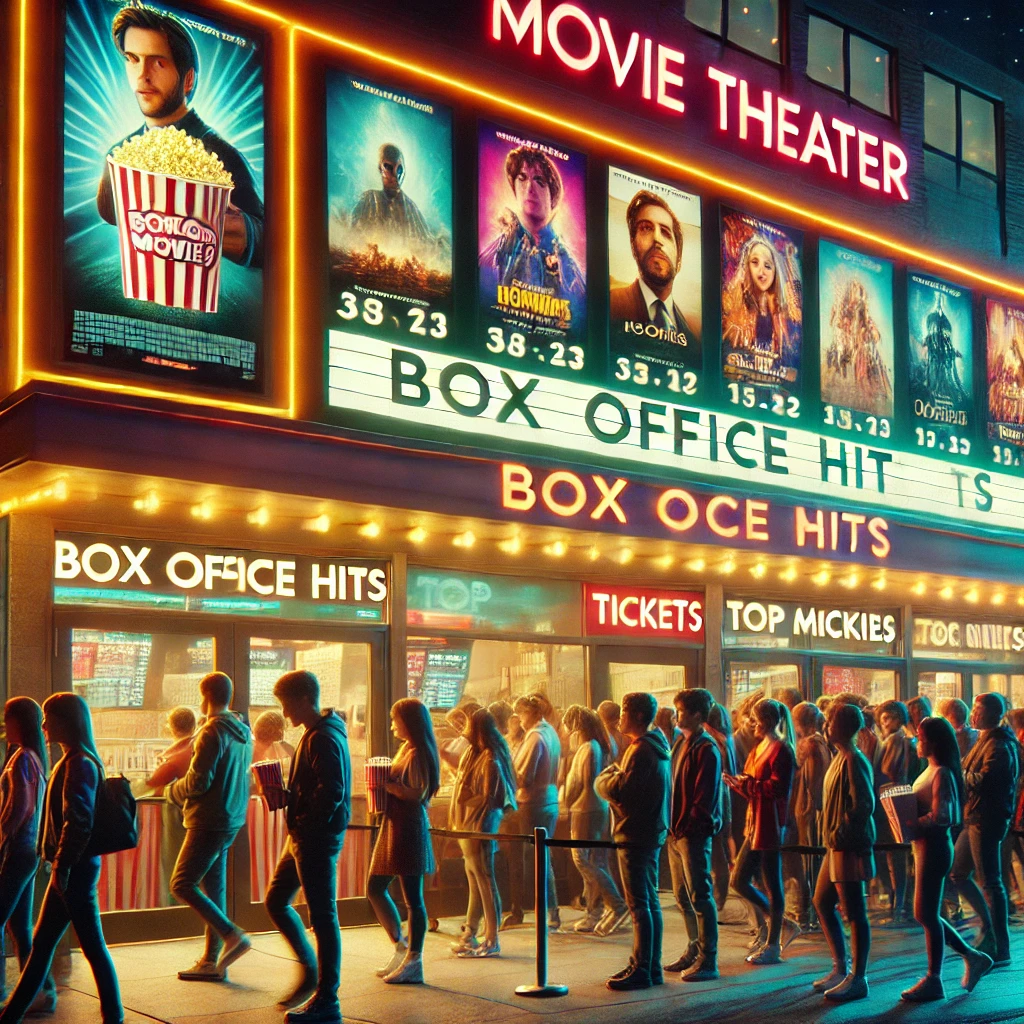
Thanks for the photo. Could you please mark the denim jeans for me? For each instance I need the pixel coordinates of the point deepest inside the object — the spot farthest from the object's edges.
(78, 906)
(315, 868)
(720, 867)
(599, 889)
(769, 904)
(639, 868)
(689, 860)
(17, 888)
(203, 859)
(977, 855)
(527, 818)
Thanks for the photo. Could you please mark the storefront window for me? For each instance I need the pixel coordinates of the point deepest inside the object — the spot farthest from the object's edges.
(747, 677)
(1009, 685)
(877, 684)
(664, 681)
(937, 686)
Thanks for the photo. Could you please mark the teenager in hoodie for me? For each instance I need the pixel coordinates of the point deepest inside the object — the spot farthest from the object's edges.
(695, 818)
(318, 811)
(214, 795)
(990, 777)
(638, 791)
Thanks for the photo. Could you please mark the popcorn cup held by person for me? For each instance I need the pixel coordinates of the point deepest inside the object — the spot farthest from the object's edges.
(171, 197)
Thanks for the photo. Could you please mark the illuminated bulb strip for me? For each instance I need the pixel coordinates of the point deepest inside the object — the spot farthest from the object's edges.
(464, 540)
(880, 584)
(999, 598)
(850, 581)
(972, 595)
(727, 567)
(820, 578)
(556, 550)
(918, 588)
(946, 593)
(758, 570)
(696, 565)
(371, 530)
(204, 510)
(148, 503)
(664, 562)
(788, 575)
(58, 490)
(594, 553)
(321, 524)
(511, 546)
(417, 535)
(625, 556)
(259, 516)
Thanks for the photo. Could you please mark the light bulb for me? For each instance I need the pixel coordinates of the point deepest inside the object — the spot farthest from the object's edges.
(788, 575)
(727, 567)
(320, 524)
(148, 503)
(259, 516)
(758, 570)
(512, 546)
(204, 510)
(370, 529)
(417, 535)
(696, 565)
(946, 593)
(464, 540)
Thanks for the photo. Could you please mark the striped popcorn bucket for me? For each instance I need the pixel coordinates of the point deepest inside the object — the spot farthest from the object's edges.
(170, 232)
(378, 773)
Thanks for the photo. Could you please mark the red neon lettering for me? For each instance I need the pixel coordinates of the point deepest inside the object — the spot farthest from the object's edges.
(530, 18)
(762, 113)
(517, 487)
(609, 496)
(894, 168)
(619, 68)
(667, 78)
(846, 132)
(555, 19)
(786, 127)
(725, 83)
(866, 160)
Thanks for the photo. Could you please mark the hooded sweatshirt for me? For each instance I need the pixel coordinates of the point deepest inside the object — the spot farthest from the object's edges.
(990, 777)
(214, 794)
(638, 790)
(536, 765)
(320, 784)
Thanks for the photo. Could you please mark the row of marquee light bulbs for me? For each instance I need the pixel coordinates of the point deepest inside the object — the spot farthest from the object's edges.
(623, 555)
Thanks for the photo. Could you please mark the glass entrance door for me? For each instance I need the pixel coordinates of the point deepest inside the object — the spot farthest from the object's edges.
(764, 674)
(663, 671)
(877, 681)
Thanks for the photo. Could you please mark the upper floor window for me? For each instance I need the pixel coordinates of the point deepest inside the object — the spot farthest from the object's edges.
(850, 64)
(750, 24)
(960, 124)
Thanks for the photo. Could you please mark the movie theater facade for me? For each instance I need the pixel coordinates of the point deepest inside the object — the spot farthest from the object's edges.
(569, 349)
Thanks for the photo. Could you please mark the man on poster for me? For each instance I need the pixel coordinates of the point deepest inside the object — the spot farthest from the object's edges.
(162, 67)
(656, 240)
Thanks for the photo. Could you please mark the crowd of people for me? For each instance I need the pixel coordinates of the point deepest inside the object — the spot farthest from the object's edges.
(646, 781)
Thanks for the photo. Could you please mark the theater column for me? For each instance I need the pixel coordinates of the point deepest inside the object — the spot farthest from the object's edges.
(29, 594)
(395, 659)
(713, 603)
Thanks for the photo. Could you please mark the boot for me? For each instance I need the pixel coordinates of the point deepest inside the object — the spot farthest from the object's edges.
(703, 969)
(851, 987)
(839, 971)
(928, 990)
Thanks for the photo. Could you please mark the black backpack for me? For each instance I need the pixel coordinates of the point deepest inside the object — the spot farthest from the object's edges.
(115, 826)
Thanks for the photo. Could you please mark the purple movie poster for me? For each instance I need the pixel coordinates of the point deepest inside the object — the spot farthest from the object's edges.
(532, 250)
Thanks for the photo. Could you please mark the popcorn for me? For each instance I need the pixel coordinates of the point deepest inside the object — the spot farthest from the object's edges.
(173, 152)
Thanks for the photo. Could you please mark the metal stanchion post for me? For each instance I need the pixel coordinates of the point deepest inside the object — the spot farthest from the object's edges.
(542, 989)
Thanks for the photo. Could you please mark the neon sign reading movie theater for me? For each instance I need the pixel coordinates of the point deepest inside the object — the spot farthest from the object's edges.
(653, 71)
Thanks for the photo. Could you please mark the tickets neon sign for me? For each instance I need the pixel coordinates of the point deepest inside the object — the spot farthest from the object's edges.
(652, 71)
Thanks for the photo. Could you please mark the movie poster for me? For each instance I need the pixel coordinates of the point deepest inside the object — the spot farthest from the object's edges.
(762, 306)
(532, 251)
(1005, 372)
(940, 315)
(654, 267)
(389, 188)
(163, 194)
(855, 303)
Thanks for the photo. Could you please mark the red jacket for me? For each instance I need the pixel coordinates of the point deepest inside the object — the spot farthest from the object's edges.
(767, 785)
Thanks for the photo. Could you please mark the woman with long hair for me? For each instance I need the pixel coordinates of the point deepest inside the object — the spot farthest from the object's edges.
(589, 818)
(403, 848)
(69, 809)
(22, 786)
(940, 794)
(485, 788)
(723, 850)
(766, 782)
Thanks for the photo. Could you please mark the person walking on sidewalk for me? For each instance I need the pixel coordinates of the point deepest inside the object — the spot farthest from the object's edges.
(214, 797)
(695, 817)
(940, 794)
(22, 786)
(990, 777)
(638, 791)
(589, 819)
(848, 832)
(536, 765)
(69, 819)
(898, 766)
(318, 810)
(485, 787)
(812, 760)
(404, 849)
(766, 782)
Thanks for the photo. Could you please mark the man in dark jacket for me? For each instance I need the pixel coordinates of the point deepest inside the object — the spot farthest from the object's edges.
(214, 795)
(638, 790)
(695, 817)
(990, 777)
(319, 807)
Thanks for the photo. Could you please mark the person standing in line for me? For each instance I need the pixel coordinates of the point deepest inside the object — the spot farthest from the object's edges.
(695, 817)
(69, 819)
(485, 787)
(638, 791)
(589, 818)
(268, 742)
(22, 785)
(848, 832)
(319, 805)
(918, 708)
(766, 782)
(536, 764)
(956, 712)
(173, 761)
(404, 849)
(1015, 719)
(610, 714)
(719, 727)
(940, 794)
(897, 766)
(214, 796)
(813, 758)
(990, 777)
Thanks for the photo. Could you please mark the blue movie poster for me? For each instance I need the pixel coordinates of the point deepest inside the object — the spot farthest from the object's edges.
(856, 327)
(939, 315)
(163, 193)
(389, 193)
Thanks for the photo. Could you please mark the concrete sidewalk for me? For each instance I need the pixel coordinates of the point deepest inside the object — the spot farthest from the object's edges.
(465, 991)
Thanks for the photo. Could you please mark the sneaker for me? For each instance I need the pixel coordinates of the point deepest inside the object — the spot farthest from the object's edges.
(511, 919)
(409, 972)
(790, 931)
(976, 966)
(766, 955)
(483, 951)
(927, 990)
(554, 922)
(704, 969)
(315, 1011)
(618, 975)
(43, 1005)
(466, 943)
(393, 964)
(759, 940)
(202, 970)
(586, 925)
(850, 988)
(302, 992)
(687, 960)
(830, 980)
(634, 979)
(235, 946)
(612, 922)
